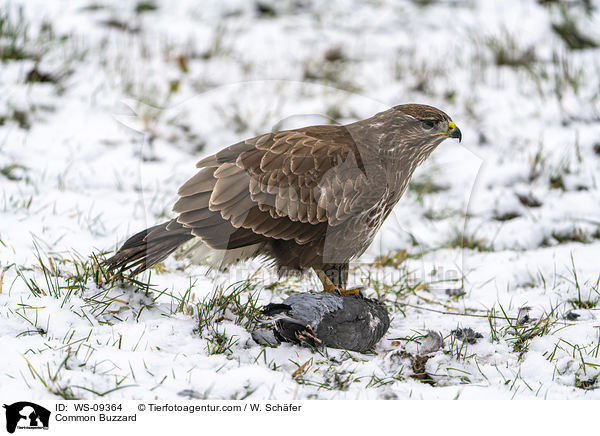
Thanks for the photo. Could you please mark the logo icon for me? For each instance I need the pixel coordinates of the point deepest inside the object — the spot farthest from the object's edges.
(26, 415)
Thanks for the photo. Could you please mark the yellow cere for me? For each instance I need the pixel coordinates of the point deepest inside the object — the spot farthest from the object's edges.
(451, 126)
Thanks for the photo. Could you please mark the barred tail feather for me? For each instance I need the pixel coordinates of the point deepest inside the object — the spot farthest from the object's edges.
(149, 247)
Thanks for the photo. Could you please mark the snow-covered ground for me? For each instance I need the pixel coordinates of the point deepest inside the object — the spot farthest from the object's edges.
(105, 106)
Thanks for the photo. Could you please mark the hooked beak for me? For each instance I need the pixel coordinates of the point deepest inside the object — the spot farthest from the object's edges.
(455, 133)
(452, 132)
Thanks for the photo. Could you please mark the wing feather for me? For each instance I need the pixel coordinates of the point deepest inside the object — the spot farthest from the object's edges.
(289, 185)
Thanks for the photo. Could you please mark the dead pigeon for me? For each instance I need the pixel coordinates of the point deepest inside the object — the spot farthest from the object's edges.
(350, 322)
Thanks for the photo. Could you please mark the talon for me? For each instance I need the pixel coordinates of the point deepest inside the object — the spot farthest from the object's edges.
(349, 292)
(328, 286)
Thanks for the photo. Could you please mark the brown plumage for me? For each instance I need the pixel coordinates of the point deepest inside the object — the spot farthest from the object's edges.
(307, 198)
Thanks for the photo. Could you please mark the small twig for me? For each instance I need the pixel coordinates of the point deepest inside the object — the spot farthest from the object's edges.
(488, 316)
(427, 300)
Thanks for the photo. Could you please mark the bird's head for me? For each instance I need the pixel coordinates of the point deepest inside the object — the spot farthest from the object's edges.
(429, 122)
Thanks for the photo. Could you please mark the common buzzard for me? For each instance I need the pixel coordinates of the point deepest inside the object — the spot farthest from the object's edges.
(312, 197)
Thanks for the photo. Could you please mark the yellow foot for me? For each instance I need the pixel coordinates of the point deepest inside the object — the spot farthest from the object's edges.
(328, 286)
(347, 292)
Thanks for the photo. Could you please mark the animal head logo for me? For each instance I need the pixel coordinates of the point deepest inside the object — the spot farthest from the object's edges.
(26, 415)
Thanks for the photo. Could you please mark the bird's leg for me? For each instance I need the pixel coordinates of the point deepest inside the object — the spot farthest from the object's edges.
(329, 286)
(308, 335)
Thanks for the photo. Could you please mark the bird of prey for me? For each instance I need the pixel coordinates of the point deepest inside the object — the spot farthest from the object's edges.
(306, 198)
(327, 318)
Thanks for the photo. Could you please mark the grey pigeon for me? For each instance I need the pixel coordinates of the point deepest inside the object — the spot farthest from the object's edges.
(350, 322)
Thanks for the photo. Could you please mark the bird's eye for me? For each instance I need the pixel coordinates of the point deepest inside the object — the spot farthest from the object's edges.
(427, 125)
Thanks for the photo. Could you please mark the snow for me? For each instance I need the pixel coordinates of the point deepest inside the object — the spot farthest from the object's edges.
(99, 154)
